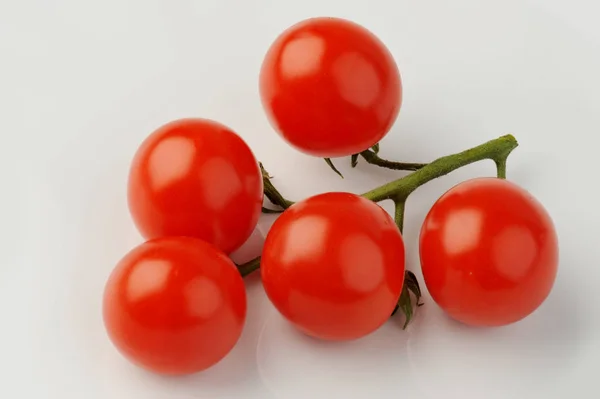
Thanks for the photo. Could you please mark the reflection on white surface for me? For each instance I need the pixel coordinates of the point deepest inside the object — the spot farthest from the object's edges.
(295, 366)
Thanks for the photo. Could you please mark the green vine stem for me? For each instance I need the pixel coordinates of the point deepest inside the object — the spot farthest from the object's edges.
(332, 166)
(268, 210)
(501, 168)
(249, 267)
(399, 214)
(398, 190)
(371, 157)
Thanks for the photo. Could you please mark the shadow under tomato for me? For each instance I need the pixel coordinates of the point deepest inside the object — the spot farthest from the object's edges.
(443, 352)
(292, 364)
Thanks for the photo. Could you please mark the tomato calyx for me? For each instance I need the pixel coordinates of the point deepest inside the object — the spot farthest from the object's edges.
(354, 157)
(332, 166)
(405, 303)
(371, 157)
(272, 193)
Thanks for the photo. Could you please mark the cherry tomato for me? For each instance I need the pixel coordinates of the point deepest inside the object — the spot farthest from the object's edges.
(333, 265)
(196, 177)
(330, 87)
(175, 305)
(489, 252)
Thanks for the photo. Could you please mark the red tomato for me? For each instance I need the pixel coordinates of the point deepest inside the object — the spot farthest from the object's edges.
(333, 265)
(175, 305)
(489, 252)
(196, 177)
(330, 87)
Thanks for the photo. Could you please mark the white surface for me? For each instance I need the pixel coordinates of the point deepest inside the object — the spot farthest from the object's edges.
(82, 83)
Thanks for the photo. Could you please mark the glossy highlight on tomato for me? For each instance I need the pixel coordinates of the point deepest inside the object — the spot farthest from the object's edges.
(174, 305)
(330, 87)
(333, 265)
(197, 178)
(489, 252)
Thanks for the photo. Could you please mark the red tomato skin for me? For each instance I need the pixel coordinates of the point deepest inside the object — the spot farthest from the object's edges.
(489, 252)
(330, 87)
(333, 265)
(197, 178)
(174, 305)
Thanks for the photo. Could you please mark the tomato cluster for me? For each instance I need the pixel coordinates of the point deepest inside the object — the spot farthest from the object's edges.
(332, 264)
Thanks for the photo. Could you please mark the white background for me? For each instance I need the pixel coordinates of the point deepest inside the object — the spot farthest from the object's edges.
(82, 83)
